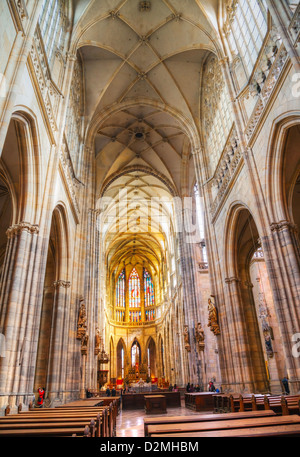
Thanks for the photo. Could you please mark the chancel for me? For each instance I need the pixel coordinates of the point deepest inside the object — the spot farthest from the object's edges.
(149, 218)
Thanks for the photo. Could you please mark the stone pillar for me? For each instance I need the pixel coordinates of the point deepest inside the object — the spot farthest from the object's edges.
(59, 338)
(15, 295)
(188, 265)
(83, 377)
(284, 234)
(239, 348)
(280, 249)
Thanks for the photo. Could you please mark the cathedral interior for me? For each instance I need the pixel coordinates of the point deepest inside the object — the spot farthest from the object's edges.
(149, 196)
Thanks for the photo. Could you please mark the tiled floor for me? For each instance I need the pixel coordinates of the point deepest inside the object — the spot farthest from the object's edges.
(131, 422)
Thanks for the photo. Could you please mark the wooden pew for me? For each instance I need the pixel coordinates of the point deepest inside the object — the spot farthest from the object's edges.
(193, 428)
(273, 402)
(290, 404)
(223, 403)
(48, 430)
(199, 401)
(290, 430)
(83, 413)
(109, 419)
(204, 418)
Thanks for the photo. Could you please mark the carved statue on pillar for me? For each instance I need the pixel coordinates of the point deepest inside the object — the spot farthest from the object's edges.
(84, 343)
(200, 336)
(213, 317)
(81, 323)
(186, 338)
(98, 341)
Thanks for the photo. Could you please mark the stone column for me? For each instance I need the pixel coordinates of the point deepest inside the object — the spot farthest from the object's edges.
(239, 348)
(15, 288)
(59, 338)
(188, 265)
(280, 249)
(83, 377)
(285, 240)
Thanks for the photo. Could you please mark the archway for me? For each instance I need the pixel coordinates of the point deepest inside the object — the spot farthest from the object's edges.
(51, 361)
(151, 360)
(248, 345)
(121, 357)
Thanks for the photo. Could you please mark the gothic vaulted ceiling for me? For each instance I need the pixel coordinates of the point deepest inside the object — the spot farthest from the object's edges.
(142, 65)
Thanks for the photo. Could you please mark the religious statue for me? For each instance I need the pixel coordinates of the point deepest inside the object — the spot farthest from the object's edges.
(84, 343)
(186, 338)
(98, 341)
(213, 317)
(200, 336)
(81, 323)
(268, 338)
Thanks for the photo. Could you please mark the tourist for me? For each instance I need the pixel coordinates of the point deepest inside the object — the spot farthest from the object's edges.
(41, 391)
(211, 387)
(285, 384)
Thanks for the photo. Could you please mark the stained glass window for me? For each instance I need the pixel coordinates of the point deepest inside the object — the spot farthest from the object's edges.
(148, 289)
(134, 289)
(150, 314)
(120, 290)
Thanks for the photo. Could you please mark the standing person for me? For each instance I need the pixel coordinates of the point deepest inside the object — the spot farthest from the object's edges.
(211, 387)
(188, 387)
(41, 391)
(113, 392)
(108, 391)
(285, 384)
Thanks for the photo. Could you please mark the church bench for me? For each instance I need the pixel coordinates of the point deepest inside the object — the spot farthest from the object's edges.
(199, 401)
(221, 403)
(107, 418)
(49, 430)
(112, 408)
(274, 402)
(204, 418)
(290, 404)
(112, 412)
(288, 430)
(182, 429)
(249, 402)
(101, 425)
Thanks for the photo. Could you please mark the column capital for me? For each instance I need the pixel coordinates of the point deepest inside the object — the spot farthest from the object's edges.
(232, 279)
(283, 224)
(62, 283)
(72, 57)
(17, 228)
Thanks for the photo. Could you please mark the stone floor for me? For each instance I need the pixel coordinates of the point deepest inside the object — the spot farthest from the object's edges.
(130, 423)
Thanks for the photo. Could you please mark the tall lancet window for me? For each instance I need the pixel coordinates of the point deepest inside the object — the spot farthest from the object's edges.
(148, 289)
(120, 290)
(134, 289)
